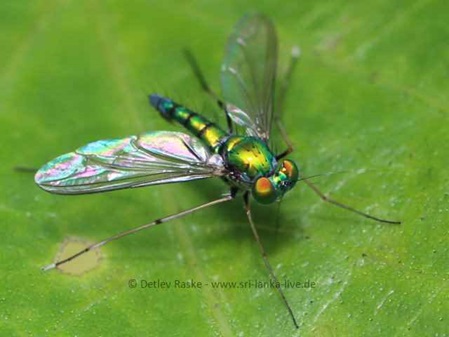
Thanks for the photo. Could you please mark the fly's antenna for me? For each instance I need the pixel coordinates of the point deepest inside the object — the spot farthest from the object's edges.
(321, 175)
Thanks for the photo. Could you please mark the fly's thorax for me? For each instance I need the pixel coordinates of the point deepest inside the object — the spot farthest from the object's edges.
(268, 189)
(252, 166)
(247, 158)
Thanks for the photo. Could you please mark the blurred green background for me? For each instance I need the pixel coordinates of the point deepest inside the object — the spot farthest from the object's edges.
(370, 97)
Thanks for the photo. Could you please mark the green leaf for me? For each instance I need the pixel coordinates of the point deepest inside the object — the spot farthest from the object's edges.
(369, 99)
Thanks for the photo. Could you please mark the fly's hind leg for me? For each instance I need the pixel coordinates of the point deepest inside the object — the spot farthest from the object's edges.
(205, 86)
(280, 102)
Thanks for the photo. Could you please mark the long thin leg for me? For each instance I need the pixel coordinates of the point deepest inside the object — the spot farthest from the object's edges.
(137, 229)
(339, 204)
(265, 259)
(278, 212)
(281, 98)
(205, 86)
(25, 169)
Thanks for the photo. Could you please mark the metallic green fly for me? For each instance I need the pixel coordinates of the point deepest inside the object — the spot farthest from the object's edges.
(240, 154)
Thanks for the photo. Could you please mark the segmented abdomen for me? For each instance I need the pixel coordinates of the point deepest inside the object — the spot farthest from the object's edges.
(201, 127)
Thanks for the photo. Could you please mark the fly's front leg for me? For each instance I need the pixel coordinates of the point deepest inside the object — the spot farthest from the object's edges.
(265, 260)
(346, 207)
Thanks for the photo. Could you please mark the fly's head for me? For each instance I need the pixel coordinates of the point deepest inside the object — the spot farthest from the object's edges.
(267, 190)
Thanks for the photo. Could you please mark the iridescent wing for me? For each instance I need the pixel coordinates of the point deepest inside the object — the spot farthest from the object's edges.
(149, 159)
(248, 74)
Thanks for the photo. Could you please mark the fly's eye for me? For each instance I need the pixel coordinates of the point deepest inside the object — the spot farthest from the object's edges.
(290, 169)
(264, 191)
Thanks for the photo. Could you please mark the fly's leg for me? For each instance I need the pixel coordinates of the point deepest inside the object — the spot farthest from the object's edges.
(205, 86)
(349, 208)
(281, 98)
(225, 198)
(294, 58)
(25, 169)
(265, 259)
(278, 212)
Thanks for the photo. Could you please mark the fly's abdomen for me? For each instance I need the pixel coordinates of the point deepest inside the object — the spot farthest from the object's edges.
(200, 126)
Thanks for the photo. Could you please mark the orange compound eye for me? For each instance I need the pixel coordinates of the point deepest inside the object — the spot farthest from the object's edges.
(264, 191)
(290, 169)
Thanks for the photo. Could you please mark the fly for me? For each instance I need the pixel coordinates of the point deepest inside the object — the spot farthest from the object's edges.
(239, 154)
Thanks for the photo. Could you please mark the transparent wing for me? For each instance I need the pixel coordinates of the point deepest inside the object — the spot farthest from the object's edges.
(149, 159)
(248, 74)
